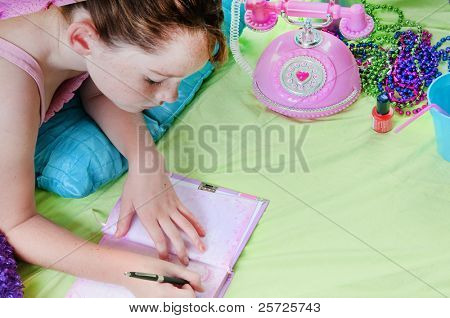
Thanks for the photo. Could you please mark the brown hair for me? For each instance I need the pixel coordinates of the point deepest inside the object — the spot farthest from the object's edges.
(150, 23)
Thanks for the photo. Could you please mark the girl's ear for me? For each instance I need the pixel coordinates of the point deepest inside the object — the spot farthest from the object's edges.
(82, 36)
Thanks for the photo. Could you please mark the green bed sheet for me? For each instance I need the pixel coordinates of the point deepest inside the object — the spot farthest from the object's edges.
(369, 217)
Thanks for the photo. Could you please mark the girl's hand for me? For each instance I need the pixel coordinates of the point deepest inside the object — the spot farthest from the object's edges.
(145, 289)
(152, 197)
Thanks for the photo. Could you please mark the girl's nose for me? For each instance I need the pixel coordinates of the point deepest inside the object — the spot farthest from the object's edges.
(169, 94)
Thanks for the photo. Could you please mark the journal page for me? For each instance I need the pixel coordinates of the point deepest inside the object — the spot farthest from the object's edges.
(227, 219)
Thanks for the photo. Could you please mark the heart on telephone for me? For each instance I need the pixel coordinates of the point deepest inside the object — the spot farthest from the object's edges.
(302, 76)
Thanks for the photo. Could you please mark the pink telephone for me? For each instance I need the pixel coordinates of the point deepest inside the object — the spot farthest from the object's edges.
(304, 73)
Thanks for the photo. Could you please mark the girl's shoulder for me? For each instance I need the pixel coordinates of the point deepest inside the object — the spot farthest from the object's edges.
(19, 92)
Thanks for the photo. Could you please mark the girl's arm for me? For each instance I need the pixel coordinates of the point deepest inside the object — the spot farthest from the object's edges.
(148, 191)
(37, 240)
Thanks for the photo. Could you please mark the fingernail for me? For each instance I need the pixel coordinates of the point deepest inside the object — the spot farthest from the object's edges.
(186, 260)
(163, 257)
(202, 247)
(160, 248)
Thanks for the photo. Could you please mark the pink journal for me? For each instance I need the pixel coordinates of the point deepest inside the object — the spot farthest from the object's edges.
(229, 218)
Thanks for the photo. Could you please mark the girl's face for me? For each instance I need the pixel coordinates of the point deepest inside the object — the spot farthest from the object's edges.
(135, 80)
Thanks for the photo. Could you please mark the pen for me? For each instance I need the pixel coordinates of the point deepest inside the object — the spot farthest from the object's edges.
(157, 278)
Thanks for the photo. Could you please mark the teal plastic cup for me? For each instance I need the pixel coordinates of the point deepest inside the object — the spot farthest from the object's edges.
(439, 94)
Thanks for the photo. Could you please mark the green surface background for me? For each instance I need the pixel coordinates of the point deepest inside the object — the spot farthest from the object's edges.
(371, 218)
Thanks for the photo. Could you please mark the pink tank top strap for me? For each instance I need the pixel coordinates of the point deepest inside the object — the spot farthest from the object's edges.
(25, 61)
(14, 8)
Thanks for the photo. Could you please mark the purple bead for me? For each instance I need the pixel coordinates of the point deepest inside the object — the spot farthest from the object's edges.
(10, 283)
(408, 113)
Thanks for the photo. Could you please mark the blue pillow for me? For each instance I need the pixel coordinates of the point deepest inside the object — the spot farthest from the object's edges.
(73, 156)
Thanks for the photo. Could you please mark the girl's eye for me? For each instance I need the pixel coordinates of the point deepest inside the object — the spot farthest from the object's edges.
(151, 82)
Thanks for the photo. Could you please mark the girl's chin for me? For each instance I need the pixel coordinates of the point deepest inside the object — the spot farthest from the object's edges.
(135, 109)
(130, 109)
(149, 107)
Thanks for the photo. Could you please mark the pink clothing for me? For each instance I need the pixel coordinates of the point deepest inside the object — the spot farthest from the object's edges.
(25, 61)
(14, 8)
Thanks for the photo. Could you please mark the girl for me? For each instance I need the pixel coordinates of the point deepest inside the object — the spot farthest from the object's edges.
(128, 55)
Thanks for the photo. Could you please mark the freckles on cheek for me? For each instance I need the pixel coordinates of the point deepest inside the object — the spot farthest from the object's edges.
(146, 92)
(138, 95)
